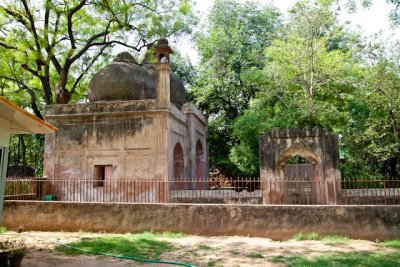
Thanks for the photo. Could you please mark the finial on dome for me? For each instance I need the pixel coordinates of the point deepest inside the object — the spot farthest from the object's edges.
(162, 42)
(125, 57)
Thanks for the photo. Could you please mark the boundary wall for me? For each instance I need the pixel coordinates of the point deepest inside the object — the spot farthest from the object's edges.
(271, 221)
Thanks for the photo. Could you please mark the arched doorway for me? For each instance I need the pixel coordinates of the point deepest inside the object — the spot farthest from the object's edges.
(179, 168)
(200, 167)
(300, 171)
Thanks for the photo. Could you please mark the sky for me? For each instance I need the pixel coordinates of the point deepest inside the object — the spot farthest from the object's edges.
(374, 20)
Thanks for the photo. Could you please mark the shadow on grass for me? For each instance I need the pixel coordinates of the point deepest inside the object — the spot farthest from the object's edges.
(366, 259)
(144, 246)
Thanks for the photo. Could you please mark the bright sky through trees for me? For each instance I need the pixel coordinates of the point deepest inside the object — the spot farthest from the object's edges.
(369, 21)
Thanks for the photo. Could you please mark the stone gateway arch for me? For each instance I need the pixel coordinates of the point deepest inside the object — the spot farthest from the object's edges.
(300, 166)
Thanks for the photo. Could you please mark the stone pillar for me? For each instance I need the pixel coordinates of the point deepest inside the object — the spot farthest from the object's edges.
(163, 85)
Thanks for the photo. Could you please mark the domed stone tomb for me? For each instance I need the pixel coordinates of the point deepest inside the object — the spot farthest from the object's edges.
(125, 79)
(136, 126)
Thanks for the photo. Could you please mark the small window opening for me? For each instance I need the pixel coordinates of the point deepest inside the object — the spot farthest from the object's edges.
(102, 173)
(162, 59)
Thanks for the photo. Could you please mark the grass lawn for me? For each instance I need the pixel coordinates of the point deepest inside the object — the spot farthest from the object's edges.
(144, 245)
(303, 250)
(365, 259)
(328, 239)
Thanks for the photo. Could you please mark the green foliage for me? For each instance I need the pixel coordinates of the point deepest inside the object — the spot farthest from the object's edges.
(391, 244)
(143, 245)
(395, 12)
(309, 236)
(335, 239)
(309, 76)
(49, 49)
(366, 259)
(373, 133)
(168, 234)
(231, 50)
(27, 151)
(328, 239)
(3, 229)
(186, 72)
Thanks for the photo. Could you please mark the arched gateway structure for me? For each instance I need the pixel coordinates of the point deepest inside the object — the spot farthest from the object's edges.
(300, 166)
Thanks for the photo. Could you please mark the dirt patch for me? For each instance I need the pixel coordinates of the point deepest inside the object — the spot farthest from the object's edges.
(196, 250)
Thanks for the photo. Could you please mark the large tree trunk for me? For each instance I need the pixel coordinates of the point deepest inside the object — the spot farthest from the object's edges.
(62, 94)
(48, 96)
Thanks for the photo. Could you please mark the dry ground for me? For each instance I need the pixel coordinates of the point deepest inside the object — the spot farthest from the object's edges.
(196, 250)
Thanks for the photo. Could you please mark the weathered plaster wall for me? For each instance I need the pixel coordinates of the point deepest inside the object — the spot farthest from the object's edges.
(197, 131)
(321, 150)
(4, 132)
(318, 146)
(136, 137)
(130, 135)
(277, 222)
(177, 133)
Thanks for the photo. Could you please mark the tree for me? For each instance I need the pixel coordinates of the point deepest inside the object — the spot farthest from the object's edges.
(310, 73)
(373, 135)
(231, 49)
(187, 73)
(48, 47)
(26, 152)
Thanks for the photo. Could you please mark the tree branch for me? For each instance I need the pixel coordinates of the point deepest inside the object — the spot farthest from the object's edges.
(53, 43)
(17, 16)
(31, 93)
(6, 46)
(46, 24)
(26, 67)
(70, 23)
(32, 26)
(89, 44)
(76, 83)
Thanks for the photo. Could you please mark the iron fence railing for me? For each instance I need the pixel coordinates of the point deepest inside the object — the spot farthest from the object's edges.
(222, 191)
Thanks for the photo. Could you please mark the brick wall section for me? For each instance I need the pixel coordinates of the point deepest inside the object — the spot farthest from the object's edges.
(276, 222)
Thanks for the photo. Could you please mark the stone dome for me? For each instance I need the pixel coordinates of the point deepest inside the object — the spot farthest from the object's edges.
(124, 79)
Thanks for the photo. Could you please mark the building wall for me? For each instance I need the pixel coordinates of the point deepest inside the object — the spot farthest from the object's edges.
(136, 137)
(276, 222)
(4, 132)
(129, 136)
(177, 133)
(197, 132)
